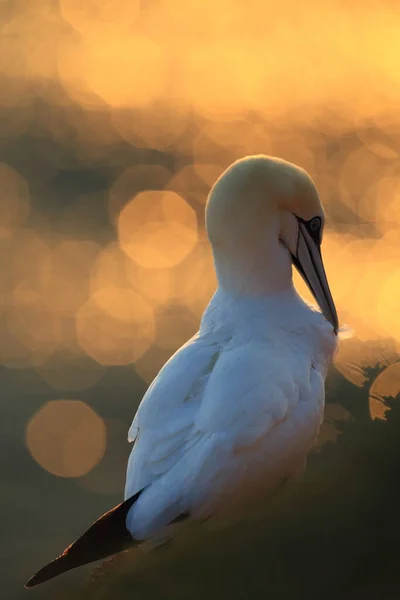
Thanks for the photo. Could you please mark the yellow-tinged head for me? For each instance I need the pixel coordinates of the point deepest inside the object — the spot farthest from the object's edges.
(262, 215)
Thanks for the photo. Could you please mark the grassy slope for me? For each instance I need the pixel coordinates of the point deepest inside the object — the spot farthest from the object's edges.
(336, 534)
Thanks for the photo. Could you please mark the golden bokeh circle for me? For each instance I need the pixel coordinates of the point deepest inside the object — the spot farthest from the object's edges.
(132, 181)
(108, 477)
(68, 287)
(157, 229)
(115, 326)
(116, 77)
(66, 438)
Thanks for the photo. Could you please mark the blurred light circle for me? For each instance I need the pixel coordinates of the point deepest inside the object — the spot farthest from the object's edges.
(210, 79)
(108, 476)
(109, 269)
(387, 197)
(24, 260)
(194, 280)
(133, 180)
(115, 326)
(32, 329)
(153, 284)
(68, 287)
(125, 70)
(72, 76)
(14, 200)
(115, 268)
(66, 437)
(157, 229)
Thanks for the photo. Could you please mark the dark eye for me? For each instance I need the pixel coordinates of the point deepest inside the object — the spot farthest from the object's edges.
(315, 224)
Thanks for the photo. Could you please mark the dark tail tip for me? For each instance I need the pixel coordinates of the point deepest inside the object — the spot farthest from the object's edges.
(107, 536)
(56, 567)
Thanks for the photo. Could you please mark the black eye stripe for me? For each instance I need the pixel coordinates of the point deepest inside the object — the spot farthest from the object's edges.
(315, 224)
(314, 227)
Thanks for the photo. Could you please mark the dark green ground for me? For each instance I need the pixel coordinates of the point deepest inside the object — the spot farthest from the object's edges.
(336, 534)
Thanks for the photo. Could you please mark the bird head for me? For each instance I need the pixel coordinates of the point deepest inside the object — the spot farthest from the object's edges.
(264, 214)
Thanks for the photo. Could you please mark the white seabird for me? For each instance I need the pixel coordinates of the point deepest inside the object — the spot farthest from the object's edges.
(235, 412)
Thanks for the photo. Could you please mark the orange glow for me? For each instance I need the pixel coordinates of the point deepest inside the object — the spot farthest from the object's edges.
(66, 437)
(96, 14)
(67, 288)
(115, 326)
(119, 86)
(219, 59)
(194, 280)
(110, 269)
(387, 384)
(118, 78)
(157, 229)
(154, 284)
(389, 303)
(388, 205)
(133, 180)
(240, 137)
(355, 356)
(24, 260)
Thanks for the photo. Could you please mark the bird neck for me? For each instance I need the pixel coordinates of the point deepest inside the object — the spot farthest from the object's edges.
(254, 271)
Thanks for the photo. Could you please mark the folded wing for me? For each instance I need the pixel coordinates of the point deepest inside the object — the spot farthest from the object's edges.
(196, 427)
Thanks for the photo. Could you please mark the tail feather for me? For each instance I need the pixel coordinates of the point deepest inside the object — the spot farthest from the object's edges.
(108, 535)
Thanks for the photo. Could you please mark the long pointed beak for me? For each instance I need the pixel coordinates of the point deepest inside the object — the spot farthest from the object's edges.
(107, 536)
(308, 261)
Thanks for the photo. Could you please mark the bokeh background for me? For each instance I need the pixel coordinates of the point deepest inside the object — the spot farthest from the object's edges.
(116, 117)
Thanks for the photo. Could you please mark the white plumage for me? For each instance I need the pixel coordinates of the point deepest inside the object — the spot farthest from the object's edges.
(234, 413)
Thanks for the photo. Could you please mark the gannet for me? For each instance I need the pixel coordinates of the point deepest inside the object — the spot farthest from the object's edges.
(235, 411)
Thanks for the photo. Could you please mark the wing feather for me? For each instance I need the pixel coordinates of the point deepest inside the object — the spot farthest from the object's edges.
(209, 439)
(165, 417)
